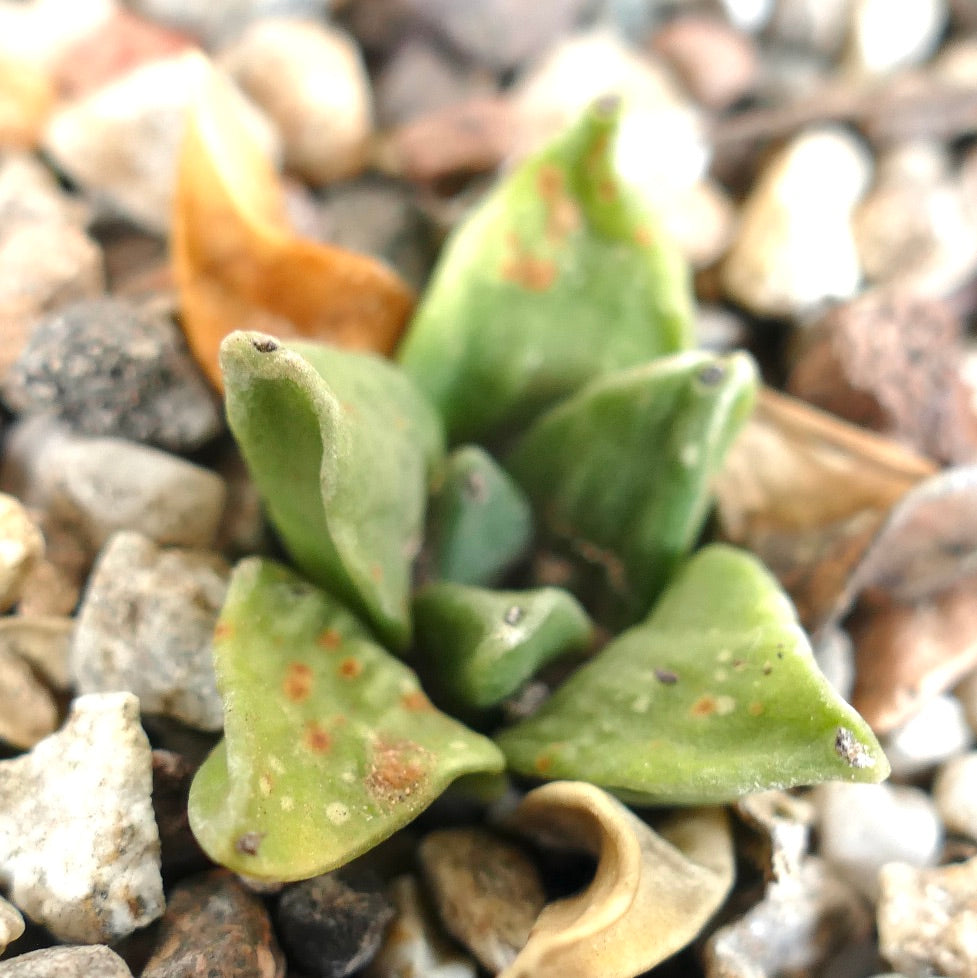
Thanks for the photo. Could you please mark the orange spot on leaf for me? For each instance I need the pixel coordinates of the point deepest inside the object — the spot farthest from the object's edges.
(704, 706)
(643, 236)
(397, 770)
(533, 274)
(755, 709)
(416, 702)
(376, 572)
(316, 738)
(543, 763)
(297, 684)
(350, 668)
(222, 630)
(329, 638)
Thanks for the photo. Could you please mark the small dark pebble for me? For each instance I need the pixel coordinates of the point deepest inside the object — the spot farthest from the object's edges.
(331, 928)
(180, 852)
(214, 926)
(108, 369)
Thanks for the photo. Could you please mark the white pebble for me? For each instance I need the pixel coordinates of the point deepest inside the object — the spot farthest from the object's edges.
(890, 34)
(865, 826)
(937, 732)
(795, 247)
(79, 847)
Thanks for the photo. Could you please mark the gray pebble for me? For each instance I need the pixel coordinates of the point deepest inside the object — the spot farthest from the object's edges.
(955, 794)
(101, 485)
(145, 625)
(865, 826)
(79, 848)
(67, 962)
(11, 924)
(330, 927)
(926, 919)
(106, 368)
(487, 891)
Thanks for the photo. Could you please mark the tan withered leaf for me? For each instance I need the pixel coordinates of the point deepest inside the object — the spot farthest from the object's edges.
(807, 493)
(650, 896)
(238, 265)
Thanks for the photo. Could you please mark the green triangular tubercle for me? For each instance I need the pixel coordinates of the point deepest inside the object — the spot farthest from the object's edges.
(715, 696)
(558, 276)
(341, 447)
(480, 521)
(480, 646)
(329, 746)
(619, 474)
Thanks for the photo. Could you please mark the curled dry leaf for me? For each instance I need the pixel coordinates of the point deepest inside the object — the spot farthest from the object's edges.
(651, 895)
(238, 264)
(808, 493)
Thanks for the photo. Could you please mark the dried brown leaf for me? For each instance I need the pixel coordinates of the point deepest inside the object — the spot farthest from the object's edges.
(808, 493)
(238, 264)
(651, 895)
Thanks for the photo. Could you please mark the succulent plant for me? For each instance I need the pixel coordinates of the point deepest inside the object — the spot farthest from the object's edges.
(554, 332)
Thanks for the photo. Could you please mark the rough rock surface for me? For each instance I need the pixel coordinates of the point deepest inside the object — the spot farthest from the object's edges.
(214, 926)
(79, 849)
(21, 546)
(106, 368)
(928, 918)
(67, 962)
(145, 625)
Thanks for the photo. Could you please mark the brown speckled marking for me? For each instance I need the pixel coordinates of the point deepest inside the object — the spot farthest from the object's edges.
(376, 572)
(316, 738)
(223, 630)
(642, 236)
(606, 191)
(416, 702)
(850, 750)
(350, 668)
(297, 684)
(249, 843)
(704, 706)
(532, 274)
(329, 639)
(666, 677)
(562, 213)
(755, 709)
(543, 763)
(398, 768)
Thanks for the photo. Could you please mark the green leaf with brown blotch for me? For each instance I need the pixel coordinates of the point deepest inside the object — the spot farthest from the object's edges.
(330, 744)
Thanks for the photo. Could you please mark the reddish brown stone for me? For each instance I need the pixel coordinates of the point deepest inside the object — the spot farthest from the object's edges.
(459, 140)
(214, 926)
(891, 362)
(119, 44)
(717, 63)
(908, 653)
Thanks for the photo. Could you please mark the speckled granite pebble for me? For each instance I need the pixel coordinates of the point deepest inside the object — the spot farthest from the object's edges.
(106, 368)
(145, 625)
(67, 962)
(214, 927)
(487, 891)
(928, 919)
(79, 849)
